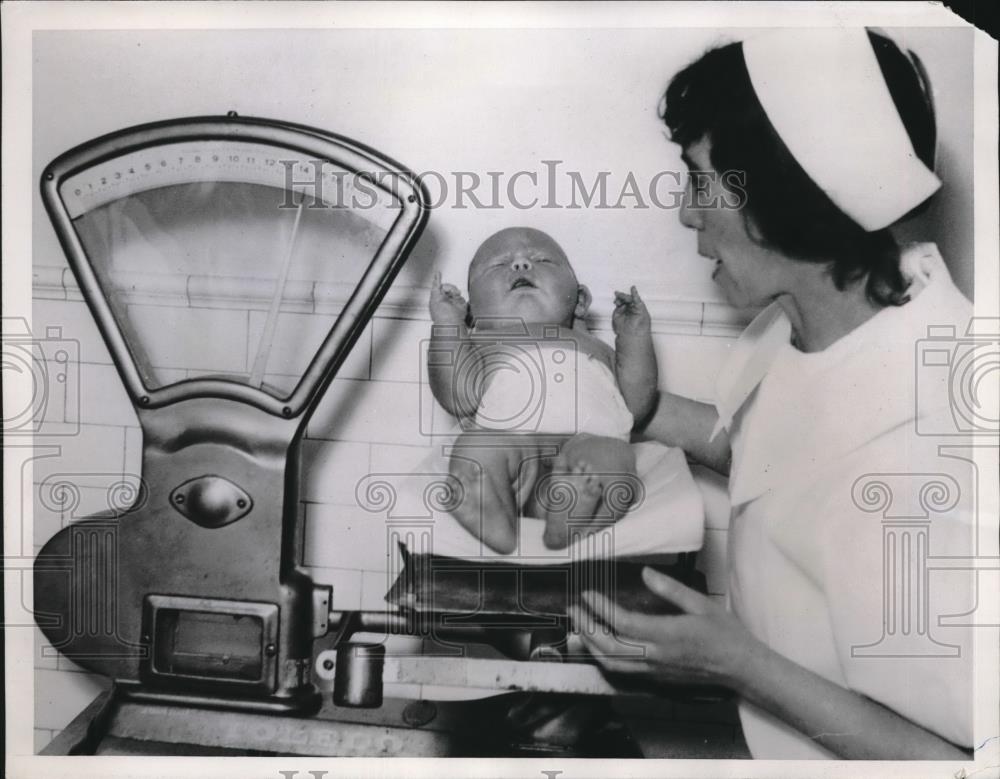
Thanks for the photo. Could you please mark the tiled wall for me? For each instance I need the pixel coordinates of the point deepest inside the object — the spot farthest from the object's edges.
(368, 421)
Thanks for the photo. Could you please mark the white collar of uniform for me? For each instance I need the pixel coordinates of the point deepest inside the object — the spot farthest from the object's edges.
(770, 332)
(753, 353)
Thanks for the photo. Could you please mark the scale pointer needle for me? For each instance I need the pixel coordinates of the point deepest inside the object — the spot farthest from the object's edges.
(270, 324)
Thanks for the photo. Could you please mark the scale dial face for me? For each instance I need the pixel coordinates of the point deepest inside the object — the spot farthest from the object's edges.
(229, 259)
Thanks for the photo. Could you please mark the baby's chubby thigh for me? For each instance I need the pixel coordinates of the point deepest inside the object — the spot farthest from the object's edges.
(497, 473)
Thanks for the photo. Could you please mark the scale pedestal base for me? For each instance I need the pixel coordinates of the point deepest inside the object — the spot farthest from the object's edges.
(114, 725)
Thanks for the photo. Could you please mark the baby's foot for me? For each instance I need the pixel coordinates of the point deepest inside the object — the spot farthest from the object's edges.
(588, 491)
(577, 490)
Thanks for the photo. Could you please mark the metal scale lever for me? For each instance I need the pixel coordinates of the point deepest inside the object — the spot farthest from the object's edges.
(519, 610)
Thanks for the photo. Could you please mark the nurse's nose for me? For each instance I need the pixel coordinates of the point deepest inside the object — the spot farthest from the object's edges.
(521, 264)
(690, 217)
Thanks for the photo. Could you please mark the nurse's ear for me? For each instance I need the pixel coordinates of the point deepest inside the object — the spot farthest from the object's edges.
(583, 301)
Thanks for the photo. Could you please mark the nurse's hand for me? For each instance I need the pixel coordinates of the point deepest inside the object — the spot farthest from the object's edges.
(705, 644)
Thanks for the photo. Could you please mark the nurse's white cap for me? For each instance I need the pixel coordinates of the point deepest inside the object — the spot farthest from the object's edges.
(825, 95)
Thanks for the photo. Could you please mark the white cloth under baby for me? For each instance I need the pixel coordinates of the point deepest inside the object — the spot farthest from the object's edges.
(667, 518)
(553, 388)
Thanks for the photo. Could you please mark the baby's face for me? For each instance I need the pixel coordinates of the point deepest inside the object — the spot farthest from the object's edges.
(523, 273)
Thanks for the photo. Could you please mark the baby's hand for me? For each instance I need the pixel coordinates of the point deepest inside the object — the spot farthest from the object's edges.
(630, 316)
(446, 303)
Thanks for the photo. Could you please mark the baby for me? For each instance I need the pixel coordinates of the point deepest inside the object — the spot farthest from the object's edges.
(525, 301)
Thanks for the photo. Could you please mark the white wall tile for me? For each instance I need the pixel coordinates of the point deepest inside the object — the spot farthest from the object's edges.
(345, 537)
(103, 399)
(331, 470)
(77, 324)
(398, 459)
(60, 696)
(44, 659)
(358, 364)
(57, 409)
(399, 349)
(346, 586)
(378, 412)
(97, 449)
(133, 450)
(689, 364)
(374, 586)
(712, 560)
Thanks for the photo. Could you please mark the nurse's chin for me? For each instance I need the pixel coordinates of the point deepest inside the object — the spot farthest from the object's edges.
(733, 295)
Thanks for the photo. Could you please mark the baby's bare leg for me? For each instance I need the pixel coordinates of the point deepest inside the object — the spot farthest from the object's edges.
(497, 473)
(592, 471)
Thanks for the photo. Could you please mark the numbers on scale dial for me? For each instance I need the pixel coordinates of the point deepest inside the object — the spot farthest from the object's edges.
(165, 166)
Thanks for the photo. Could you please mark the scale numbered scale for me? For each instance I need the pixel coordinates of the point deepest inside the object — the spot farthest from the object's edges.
(230, 264)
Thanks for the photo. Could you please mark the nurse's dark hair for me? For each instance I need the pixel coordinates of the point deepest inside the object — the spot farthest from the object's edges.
(713, 98)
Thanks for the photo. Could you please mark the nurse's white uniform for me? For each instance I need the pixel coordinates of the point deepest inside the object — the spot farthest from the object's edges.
(813, 435)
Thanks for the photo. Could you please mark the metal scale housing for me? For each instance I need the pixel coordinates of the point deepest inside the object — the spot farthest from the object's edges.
(195, 594)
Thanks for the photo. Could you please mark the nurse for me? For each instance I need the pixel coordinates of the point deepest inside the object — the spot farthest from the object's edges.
(836, 639)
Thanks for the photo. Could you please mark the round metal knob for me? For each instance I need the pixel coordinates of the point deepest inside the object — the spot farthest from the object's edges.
(357, 680)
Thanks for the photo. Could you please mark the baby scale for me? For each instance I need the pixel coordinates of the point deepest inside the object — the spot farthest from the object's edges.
(193, 602)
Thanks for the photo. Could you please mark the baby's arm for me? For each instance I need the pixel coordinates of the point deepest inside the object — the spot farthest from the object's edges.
(450, 348)
(635, 359)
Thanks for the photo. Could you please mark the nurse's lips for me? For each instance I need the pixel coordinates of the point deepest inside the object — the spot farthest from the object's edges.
(717, 261)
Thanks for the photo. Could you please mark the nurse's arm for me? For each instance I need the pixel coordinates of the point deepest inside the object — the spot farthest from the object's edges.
(708, 644)
(845, 722)
(688, 424)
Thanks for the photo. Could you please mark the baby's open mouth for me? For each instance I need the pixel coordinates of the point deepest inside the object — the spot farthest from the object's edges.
(521, 283)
